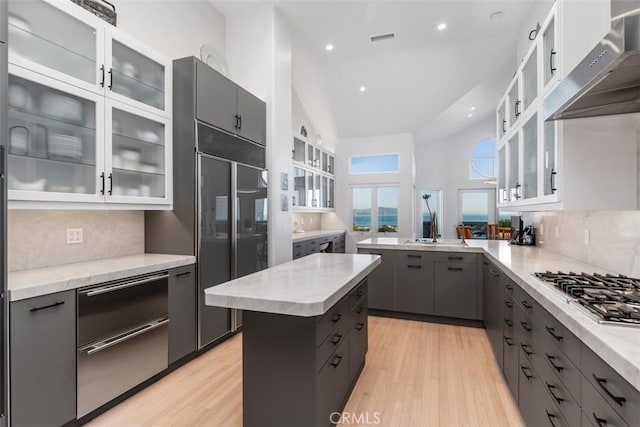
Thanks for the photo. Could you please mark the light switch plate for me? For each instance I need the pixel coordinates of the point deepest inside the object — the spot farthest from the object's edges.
(74, 236)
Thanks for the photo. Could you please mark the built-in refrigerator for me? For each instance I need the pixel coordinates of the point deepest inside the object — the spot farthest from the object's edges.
(3, 218)
(220, 202)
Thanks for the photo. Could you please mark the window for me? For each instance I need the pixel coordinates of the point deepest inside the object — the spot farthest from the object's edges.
(483, 160)
(375, 208)
(383, 163)
(474, 211)
(435, 204)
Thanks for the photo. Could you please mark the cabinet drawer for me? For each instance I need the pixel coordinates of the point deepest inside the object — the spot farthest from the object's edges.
(331, 343)
(528, 304)
(509, 286)
(614, 389)
(456, 290)
(596, 411)
(313, 246)
(358, 345)
(510, 364)
(182, 312)
(558, 362)
(357, 294)
(300, 246)
(415, 286)
(560, 336)
(331, 320)
(455, 257)
(333, 383)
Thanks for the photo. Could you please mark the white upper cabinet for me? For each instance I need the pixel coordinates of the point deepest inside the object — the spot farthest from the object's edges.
(313, 176)
(89, 113)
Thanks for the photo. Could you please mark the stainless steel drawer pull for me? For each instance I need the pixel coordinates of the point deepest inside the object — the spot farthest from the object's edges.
(55, 304)
(602, 383)
(112, 288)
(114, 341)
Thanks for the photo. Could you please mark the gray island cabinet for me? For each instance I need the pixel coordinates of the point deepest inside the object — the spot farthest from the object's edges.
(304, 336)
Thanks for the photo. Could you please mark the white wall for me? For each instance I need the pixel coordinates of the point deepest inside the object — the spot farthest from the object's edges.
(175, 28)
(301, 118)
(444, 165)
(384, 144)
(258, 48)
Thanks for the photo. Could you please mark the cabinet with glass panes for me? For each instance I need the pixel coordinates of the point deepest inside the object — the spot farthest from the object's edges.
(313, 176)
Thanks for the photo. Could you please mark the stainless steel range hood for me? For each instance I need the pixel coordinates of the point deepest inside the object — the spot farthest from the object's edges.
(607, 81)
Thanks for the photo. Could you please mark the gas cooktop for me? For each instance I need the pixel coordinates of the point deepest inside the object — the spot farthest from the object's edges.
(607, 298)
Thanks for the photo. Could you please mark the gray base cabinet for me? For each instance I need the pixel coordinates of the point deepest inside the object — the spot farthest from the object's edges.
(492, 307)
(43, 360)
(182, 312)
(414, 284)
(312, 246)
(297, 371)
(382, 289)
(456, 290)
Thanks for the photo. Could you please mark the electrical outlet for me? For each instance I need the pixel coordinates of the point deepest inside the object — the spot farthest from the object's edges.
(557, 231)
(541, 230)
(587, 237)
(74, 236)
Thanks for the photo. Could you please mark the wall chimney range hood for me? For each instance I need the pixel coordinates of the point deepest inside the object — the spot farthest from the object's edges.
(607, 81)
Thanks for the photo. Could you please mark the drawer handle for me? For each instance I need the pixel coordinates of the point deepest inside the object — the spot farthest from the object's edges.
(493, 273)
(526, 327)
(524, 348)
(336, 339)
(414, 266)
(360, 309)
(508, 286)
(508, 304)
(602, 383)
(509, 341)
(551, 387)
(336, 318)
(185, 273)
(414, 256)
(336, 361)
(508, 322)
(360, 326)
(455, 269)
(526, 304)
(44, 307)
(455, 258)
(360, 292)
(113, 288)
(524, 370)
(551, 417)
(556, 367)
(552, 333)
(600, 421)
(125, 337)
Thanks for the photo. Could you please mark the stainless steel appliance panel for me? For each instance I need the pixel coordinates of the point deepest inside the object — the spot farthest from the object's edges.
(117, 306)
(111, 367)
(3, 212)
(226, 146)
(215, 242)
(251, 220)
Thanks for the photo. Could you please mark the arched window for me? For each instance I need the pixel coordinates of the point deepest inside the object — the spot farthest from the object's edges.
(483, 160)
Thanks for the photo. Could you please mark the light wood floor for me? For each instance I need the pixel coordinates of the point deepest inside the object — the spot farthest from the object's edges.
(416, 374)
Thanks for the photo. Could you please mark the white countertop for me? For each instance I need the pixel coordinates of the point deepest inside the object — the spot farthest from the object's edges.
(297, 237)
(619, 346)
(42, 281)
(308, 286)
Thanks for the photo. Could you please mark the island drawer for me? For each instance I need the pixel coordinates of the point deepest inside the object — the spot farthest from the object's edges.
(357, 294)
(332, 342)
(560, 336)
(528, 304)
(560, 364)
(331, 320)
(509, 286)
(613, 388)
(597, 411)
(460, 257)
(358, 345)
(415, 256)
(333, 384)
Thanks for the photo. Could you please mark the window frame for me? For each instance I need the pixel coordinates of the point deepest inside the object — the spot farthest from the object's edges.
(373, 231)
(494, 158)
(351, 172)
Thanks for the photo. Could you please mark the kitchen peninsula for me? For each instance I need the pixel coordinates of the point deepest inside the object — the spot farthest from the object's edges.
(304, 336)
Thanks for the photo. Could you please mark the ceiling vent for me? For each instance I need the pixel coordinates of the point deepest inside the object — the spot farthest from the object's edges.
(383, 37)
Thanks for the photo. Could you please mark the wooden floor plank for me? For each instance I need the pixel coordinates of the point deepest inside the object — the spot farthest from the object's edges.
(417, 374)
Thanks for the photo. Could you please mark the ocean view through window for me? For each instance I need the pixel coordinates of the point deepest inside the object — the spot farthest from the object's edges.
(375, 209)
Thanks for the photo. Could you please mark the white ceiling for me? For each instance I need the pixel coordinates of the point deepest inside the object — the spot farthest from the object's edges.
(418, 76)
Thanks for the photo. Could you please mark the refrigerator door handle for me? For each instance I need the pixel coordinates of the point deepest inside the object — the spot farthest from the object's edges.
(234, 235)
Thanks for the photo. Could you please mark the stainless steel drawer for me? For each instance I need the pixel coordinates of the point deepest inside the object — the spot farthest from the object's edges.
(107, 309)
(108, 368)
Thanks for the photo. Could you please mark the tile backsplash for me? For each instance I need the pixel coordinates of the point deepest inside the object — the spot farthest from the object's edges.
(613, 237)
(306, 221)
(37, 238)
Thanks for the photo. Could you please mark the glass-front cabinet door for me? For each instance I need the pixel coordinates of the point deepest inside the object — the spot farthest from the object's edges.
(298, 150)
(550, 159)
(550, 53)
(514, 103)
(299, 187)
(502, 120)
(55, 140)
(530, 80)
(316, 190)
(312, 202)
(502, 175)
(324, 192)
(310, 155)
(138, 156)
(514, 170)
(332, 165)
(530, 158)
(136, 75)
(330, 200)
(325, 162)
(56, 39)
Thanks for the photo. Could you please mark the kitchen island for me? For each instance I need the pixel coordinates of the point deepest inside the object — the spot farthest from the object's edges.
(304, 336)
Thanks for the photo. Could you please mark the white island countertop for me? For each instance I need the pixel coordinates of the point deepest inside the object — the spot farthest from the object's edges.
(306, 287)
(617, 345)
(48, 280)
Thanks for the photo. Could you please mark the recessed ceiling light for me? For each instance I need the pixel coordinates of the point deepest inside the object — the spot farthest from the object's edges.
(470, 115)
(329, 47)
(473, 108)
(496, 16)
(362, 88)
(442, 26)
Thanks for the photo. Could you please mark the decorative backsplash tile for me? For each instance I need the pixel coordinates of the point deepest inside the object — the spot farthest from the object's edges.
(37, 238)
(306, 221)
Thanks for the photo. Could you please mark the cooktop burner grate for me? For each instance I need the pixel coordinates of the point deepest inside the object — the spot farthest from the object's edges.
(610, 298)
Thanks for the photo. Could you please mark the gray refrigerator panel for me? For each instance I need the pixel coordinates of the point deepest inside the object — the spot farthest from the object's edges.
(3, 22)
(3, 222)
(215, 243)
